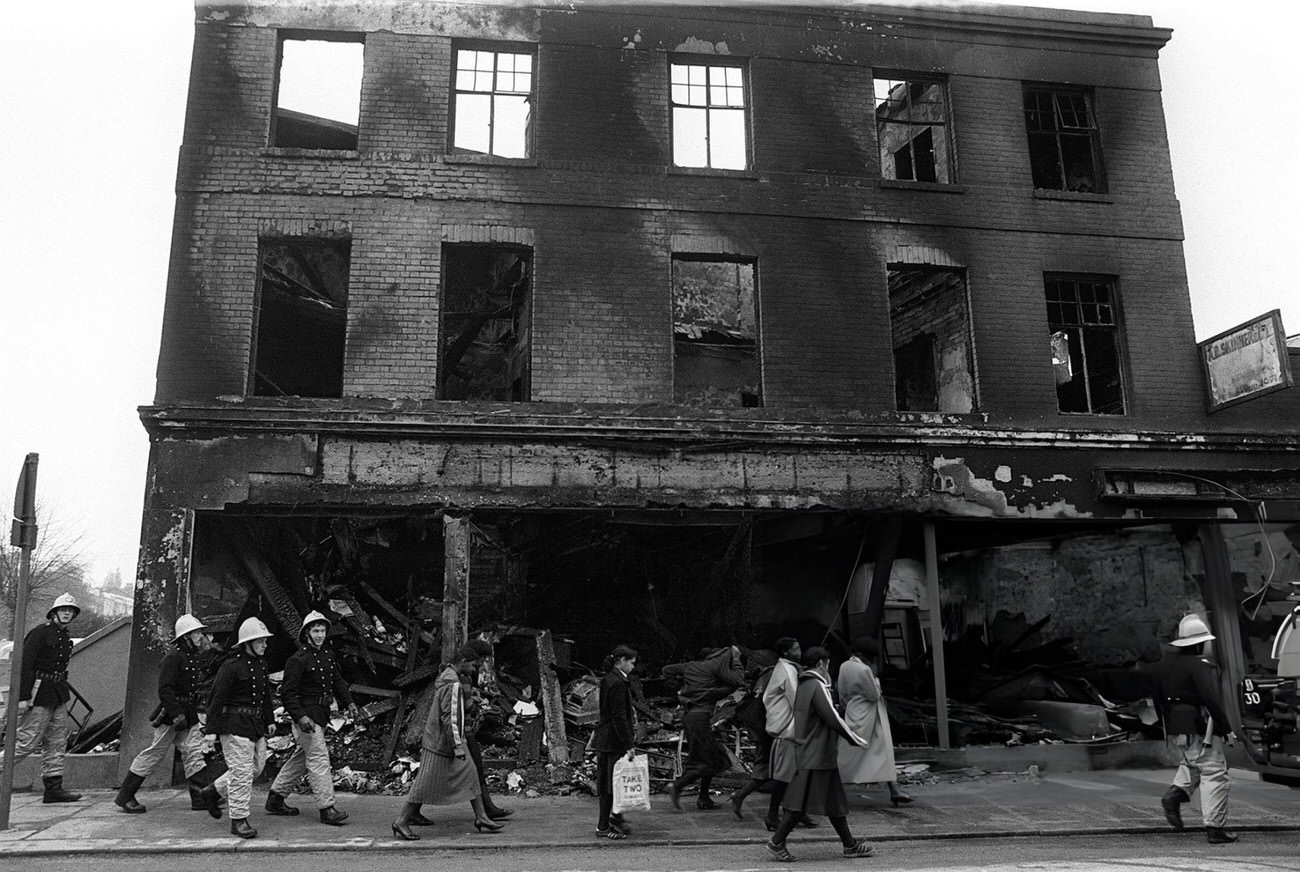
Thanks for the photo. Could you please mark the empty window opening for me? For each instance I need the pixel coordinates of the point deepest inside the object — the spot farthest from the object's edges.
(318, 93)
(709, 127)
(493, 102)
(930, 322)
(301, 318)
(486, 329)
(715, 333)
(912, 129)
(1085, 344)
(1064, 143)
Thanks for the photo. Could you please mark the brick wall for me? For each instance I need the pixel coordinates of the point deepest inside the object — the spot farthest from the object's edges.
(606, 209)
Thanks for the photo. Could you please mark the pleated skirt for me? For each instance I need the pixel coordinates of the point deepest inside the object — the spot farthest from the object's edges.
(443, 780)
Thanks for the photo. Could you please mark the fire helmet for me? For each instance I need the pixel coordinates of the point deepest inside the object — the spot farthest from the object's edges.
(64, 601)
(187, 624)
(1192, 631)
(313, 617)
(251, 629)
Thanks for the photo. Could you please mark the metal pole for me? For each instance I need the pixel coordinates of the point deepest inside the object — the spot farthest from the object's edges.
(24, 536)
(936, 635)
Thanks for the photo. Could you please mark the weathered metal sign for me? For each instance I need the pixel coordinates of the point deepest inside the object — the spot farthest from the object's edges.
(1248, 361)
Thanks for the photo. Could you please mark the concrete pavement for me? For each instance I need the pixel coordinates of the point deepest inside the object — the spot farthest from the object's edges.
(953, 805)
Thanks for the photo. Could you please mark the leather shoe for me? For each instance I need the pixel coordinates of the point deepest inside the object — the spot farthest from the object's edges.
(240, 827)
(1219, 836)
(333, 816)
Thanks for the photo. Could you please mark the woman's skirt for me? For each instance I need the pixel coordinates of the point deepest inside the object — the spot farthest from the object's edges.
(817, 791)
(443, 780)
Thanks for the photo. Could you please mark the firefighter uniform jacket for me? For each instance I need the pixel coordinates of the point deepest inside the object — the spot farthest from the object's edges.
(311, 679)
(240, 704)
(181, 677)
(1189, 692)
(46, 650)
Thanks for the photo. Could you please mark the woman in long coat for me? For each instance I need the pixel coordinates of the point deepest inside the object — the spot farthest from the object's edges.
(447, 774)
(864, 711)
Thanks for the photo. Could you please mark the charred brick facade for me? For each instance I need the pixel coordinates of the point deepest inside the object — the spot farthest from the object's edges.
(598, 209)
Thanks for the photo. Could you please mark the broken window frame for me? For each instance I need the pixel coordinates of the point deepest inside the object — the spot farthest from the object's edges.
(1083, 316)
(458, 343)
(746, 347)
(313, 291)
(941, 162)
(714, 98)
(952, 281)
(501, 85)
(345, 140)
(1062, 131)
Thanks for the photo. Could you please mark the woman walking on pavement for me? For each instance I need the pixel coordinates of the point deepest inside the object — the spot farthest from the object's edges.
(865, 713)
(239, 712)
(816, 787)
(613, 737)
(176, 719)
(447, 774)
(312, 680)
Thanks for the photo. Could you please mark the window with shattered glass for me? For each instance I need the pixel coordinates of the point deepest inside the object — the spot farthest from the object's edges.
(485, 349)
(929, 317)
(318, 92)
(912, 129)
(301, 317)
(1083, 320)
(1064, 142)
(715, 333)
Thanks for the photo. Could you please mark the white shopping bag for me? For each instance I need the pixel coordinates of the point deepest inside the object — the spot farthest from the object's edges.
(631, 783)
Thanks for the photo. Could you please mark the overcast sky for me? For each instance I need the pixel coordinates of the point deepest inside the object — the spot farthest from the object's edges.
(92, 101)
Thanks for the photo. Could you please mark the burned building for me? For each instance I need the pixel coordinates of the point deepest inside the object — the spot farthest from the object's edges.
(695, 325)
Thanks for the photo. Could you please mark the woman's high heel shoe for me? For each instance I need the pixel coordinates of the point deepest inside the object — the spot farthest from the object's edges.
(402, 830)
(489, 825)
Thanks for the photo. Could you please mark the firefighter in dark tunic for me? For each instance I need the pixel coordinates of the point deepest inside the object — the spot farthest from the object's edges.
(43, 696)
(311, 682)
(175, 721)
(240, 713)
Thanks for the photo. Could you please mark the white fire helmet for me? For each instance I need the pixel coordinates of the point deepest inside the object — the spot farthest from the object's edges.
(64, 601)
(187, 624)
(1192, 631)
(313, 617)
(252, 629)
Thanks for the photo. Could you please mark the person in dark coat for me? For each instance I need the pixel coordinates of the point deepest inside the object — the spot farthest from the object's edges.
(240, 713)
(704, 683)
(43, 695)
(613, 737)
(181, 675)
(312, 681)
(1196, 722)
(816, 787)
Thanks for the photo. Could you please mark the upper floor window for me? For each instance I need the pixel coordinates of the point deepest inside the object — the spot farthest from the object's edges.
(486, 323)
(715, 332)
(318, 92)
(493, 101)
(1064, 143)
(302, 317)
(929, 319)
(709, 109)
(912, 130)
(1083, 317)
